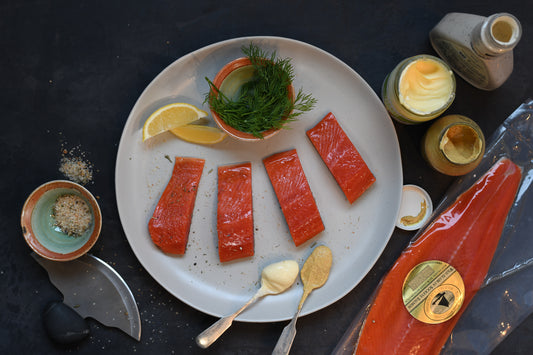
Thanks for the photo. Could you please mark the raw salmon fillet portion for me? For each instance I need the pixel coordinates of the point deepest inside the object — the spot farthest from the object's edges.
(170, 224)
(465, 235)
(294, 195)
(341, 157)
(235, 222)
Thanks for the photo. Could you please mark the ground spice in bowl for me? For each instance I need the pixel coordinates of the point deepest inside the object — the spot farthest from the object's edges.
(72, 215)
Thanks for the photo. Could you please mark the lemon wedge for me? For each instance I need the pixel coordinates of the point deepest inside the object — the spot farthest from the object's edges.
(171, 116)
(199, 134)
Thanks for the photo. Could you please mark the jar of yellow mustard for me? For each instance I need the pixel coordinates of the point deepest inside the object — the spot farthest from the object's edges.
(453, 145)
(419, 89)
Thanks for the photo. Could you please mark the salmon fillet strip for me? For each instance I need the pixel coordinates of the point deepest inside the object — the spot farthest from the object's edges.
(294, 195)
(341, 157)
(171, 221)
(235, 222)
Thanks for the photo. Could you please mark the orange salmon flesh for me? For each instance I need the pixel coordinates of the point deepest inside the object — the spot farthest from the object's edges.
(465, 235)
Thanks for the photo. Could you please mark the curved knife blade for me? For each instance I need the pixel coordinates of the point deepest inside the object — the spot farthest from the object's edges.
(94, 289)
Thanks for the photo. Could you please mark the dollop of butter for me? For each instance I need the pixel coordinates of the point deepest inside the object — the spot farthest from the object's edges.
(279, 276)
(425, 86)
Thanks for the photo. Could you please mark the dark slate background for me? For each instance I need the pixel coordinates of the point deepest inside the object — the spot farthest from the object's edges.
(71, 71)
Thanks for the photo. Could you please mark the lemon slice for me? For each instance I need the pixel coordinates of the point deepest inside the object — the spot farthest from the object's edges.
(199, 134)
(169, 117)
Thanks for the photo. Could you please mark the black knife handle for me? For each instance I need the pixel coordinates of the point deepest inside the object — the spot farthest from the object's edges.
(63, 325)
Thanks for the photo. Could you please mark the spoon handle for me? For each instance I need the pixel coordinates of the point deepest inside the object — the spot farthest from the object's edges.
(211, 334)
(283, 346)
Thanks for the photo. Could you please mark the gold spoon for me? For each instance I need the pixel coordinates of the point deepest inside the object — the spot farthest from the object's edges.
(314, 274)
(275, 278)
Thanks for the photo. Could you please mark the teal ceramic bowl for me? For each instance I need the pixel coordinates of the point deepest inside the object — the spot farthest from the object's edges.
(40, 229)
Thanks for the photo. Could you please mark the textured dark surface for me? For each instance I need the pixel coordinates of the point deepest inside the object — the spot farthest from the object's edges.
(71, 71)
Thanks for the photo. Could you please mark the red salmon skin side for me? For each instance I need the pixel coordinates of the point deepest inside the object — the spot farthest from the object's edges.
(235, 222)
(294, 195)
(171, 221)
(341, 157)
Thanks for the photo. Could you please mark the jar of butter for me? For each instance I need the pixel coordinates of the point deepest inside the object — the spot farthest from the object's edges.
(453, 145)
(419, 89)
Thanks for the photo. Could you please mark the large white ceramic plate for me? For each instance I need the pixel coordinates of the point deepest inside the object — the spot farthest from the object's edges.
(357, 234)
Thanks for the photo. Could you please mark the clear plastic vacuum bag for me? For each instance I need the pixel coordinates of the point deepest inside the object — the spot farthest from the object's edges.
(505, 297)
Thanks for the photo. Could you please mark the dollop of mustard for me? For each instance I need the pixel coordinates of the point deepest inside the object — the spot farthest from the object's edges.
(425, 86)
(410, 220)
(461, 144)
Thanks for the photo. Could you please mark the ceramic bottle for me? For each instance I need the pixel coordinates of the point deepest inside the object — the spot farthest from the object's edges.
(479, 49)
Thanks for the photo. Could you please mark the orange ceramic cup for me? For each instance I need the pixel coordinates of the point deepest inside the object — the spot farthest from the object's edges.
(232, 75)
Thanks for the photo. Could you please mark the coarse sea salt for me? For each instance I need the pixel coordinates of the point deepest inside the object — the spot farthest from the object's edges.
(76, 169)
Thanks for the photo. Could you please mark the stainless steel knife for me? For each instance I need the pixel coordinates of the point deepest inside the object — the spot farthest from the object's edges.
(94, 289)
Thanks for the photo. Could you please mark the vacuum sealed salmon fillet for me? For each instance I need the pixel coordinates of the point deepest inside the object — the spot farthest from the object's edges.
(465, 236)
(341, 157)
(171, 221)
(482, 230)
(294, 195)
(235, 222)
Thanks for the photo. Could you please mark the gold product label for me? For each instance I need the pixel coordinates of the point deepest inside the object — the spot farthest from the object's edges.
(433, 292)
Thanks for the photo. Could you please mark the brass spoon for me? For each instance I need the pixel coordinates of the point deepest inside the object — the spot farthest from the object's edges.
(314, 274)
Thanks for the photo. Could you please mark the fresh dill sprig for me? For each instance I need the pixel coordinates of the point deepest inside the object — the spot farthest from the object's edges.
(263, 103)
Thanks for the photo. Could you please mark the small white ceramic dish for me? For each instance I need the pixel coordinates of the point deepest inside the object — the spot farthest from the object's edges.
(415, 209)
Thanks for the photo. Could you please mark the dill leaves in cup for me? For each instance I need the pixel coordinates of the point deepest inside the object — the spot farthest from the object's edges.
(266, 101)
